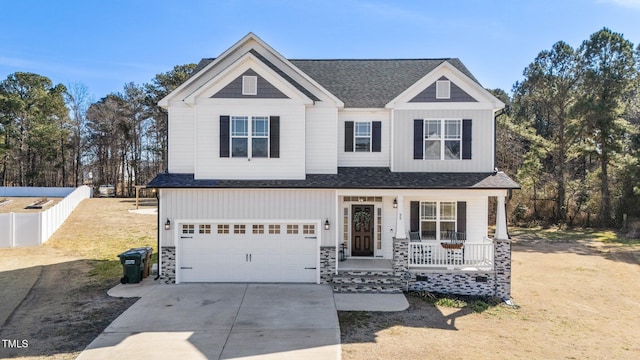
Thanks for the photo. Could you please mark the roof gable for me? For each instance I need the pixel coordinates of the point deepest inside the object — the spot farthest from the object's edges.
(210, 68)
(429, 94)
(265, 90)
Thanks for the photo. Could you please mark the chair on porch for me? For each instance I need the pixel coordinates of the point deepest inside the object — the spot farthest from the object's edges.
(422, 254)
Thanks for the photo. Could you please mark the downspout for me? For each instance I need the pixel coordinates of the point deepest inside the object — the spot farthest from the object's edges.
(495, 134)
(158, 236)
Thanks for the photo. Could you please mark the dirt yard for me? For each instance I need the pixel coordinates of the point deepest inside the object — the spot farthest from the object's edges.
(575, 300)
(54, 296)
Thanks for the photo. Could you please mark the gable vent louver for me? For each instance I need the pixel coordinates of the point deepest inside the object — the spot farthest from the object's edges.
(249, 85)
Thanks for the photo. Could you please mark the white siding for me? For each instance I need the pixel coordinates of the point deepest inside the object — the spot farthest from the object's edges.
(290, 164)
(247, 204)
(181, 139)
(321, 140)
(372, 159)
(481, 146)
(477, 210)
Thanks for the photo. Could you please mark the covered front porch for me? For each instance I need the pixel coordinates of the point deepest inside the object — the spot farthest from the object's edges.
(444, 229)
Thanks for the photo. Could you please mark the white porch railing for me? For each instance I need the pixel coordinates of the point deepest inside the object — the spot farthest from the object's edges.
(436, 254)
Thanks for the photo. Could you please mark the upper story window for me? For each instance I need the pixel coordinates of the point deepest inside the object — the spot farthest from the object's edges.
(362, 136)
(443, 89)
(249, 85)
(249, 137)
(442, 139)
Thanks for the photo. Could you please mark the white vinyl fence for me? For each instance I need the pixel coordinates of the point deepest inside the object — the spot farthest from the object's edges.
(35, 229)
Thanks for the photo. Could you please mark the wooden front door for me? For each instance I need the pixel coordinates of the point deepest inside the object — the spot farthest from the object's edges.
(361, 230)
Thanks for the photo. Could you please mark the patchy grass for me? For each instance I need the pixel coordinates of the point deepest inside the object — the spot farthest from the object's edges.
(557, 234)
(100, 229)
(477, 304)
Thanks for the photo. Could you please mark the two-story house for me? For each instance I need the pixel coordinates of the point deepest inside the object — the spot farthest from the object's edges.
(361, 173)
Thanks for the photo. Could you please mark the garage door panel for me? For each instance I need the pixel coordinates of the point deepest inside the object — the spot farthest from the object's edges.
(252, 256)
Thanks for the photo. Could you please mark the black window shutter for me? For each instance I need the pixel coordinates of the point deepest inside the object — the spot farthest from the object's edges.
(348, 136)
(418, 139)
(466, 139)
(274, 136)
(414, 214)
(462, 216)
(376, 136)
(224, 136)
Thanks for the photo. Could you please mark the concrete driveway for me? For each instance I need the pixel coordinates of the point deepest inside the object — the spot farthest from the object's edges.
(224, 321)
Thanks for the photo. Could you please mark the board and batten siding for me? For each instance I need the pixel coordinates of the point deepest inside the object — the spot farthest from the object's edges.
(321, 140)
(290, 164)
(366, 159)
(482, 150)
(477, 211)
(181, 139)
(247, 204)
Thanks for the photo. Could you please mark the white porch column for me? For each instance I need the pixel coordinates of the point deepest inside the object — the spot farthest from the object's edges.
(501, 220)
(400, 228)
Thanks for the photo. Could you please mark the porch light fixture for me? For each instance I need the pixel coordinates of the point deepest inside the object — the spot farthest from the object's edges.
(327, 226)
(167, 225)
(395, 203)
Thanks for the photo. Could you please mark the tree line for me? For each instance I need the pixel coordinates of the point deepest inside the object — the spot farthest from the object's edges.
(569, 134)
(54, 135)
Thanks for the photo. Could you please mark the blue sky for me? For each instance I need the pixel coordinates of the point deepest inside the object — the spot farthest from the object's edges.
(105, 44)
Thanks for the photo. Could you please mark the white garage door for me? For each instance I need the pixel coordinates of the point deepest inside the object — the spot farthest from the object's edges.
(248, 251)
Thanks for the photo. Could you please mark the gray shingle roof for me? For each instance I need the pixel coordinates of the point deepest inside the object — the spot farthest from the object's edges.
(351, 178)
(371, 83)
(367, 83)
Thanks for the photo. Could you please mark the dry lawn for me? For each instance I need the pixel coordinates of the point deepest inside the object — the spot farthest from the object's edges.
(576, 299)
(18, 204)
(54, 296)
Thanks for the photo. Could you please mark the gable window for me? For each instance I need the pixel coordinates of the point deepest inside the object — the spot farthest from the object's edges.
(443, 89)
(249, 85)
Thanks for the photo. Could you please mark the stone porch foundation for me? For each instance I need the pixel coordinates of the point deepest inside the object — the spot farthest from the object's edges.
(483, 283)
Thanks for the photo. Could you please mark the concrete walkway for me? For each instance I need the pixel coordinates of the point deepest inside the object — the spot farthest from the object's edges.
(224, 321)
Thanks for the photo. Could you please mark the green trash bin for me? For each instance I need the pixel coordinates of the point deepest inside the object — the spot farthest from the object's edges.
(132, 262)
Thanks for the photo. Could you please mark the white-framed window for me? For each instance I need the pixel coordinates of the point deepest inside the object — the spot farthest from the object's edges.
(437, 219)
(443, 139)
(250, 137)
(258, 229)
(239, 136)
(362, 136)
(260, 136)
(249, 85)
(443, 89)
(223, 228)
